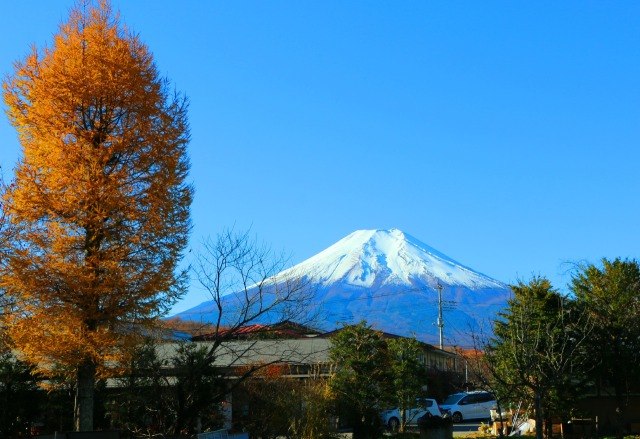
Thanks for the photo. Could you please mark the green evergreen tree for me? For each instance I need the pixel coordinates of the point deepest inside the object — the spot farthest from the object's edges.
(537, 348)
(611, 295)
(137, 403)
(172, 396)
(19, 398)
(199, 384)
(361, 380)
(408, 374)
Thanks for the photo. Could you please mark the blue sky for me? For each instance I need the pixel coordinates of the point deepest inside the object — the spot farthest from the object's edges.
(504, 134)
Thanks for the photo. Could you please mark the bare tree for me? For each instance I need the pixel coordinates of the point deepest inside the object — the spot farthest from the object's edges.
(175, 388)
(248, 285)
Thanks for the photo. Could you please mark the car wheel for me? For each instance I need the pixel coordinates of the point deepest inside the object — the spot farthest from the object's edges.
(456, 417)
(393, 423)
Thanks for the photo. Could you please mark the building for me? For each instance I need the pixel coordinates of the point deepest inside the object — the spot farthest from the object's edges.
(297, 351)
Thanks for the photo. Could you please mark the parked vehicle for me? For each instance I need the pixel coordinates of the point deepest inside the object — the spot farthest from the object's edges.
(424, 406)
(471, 405)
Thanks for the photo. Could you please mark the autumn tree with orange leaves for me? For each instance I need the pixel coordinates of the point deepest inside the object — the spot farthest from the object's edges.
(99, 204)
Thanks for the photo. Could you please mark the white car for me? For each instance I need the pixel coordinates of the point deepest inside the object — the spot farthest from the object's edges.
(471, 405)
(391, 418)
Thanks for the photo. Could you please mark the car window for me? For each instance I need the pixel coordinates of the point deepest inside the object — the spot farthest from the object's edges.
(452, 399)
(469, 399)
(485, 397)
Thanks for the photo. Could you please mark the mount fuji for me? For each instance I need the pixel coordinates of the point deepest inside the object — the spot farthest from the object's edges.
(391, 280)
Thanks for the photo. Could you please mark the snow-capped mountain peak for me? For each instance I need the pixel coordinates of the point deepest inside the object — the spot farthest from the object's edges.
(381, 257)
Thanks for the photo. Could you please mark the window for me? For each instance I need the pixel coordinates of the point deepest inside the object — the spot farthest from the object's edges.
(485, 397)
(469, 399)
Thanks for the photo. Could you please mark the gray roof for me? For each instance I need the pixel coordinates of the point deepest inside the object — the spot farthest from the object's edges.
(235, 353)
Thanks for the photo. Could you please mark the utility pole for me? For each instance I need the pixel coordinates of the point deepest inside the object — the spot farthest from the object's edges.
(440, 323)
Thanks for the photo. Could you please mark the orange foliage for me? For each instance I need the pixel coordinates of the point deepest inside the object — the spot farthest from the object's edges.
(266, 371)
(275, 371)
(99, 203)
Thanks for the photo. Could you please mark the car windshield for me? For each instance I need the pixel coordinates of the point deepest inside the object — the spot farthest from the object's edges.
(452, 399)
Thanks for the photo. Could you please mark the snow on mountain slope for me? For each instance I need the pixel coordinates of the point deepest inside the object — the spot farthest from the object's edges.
(390, 279)
(390, 256)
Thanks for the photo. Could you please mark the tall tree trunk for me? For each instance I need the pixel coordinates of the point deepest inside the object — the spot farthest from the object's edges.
(537, 403)
(85, 389)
